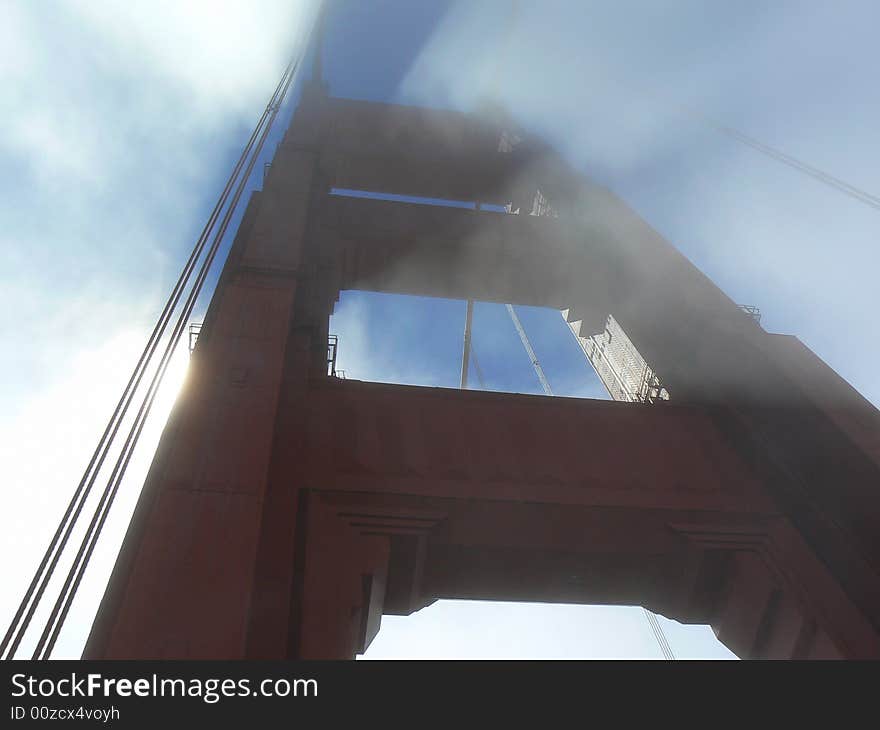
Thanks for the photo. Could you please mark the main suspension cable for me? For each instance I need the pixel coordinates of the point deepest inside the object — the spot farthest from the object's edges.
(58, 542)
(480, 379)
(31, 599)
(77, 570)
(659, 635)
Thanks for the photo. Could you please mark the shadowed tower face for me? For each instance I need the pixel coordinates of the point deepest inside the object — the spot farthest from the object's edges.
(733, 482)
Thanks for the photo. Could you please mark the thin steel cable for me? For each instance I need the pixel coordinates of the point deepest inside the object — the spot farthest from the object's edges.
(539, 371)
(74, 577)
(477, 368)
(466, 345)
(33, 595)
(835, 182)
(77, 570)
(134, 433)
(659, 634)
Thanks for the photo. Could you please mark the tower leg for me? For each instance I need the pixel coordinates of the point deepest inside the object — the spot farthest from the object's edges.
(340, 597)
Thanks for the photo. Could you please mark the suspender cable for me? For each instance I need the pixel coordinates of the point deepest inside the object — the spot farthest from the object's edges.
(493, 88)
(814, 172)
(477, 368)
(65, 598)
(659, 635)
(466, 346)
(539, 371)
(43, 574)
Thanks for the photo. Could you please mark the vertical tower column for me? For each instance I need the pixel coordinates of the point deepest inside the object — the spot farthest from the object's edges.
(195, 571)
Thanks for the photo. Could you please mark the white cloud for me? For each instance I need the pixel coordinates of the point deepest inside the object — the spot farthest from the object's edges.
(117, 120)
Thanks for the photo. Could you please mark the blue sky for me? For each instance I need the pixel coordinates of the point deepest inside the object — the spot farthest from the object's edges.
(120, 122)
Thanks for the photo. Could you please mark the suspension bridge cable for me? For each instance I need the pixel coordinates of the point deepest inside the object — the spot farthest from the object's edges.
(466, 344)
(493, 90)
(34, 594)
(477, 368)
(66, 596)
(826, 178)
(539, 371)
(45, 570)
(659, 635)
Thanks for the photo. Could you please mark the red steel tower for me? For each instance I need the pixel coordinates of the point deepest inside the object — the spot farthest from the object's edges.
(287, 510)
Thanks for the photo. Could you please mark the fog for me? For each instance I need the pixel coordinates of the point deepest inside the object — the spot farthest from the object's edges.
(119, 121)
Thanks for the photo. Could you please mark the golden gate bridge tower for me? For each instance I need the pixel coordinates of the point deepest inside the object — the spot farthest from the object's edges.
(733, 481)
